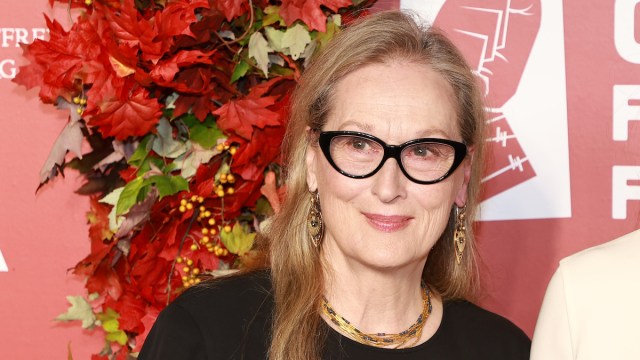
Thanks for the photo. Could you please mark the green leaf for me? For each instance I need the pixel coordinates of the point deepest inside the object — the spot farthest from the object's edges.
(240, 70)
(129, 195)
(259, 50)
(238, 241)
(296, 39)
(118, 336)
(80, 309)
(333, 26)
(111, 325)
(141, 151)
(167, 184)
(206, 134)
(272, 16)
(112, 199)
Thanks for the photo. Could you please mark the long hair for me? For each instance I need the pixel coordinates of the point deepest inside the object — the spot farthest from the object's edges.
(295, 263)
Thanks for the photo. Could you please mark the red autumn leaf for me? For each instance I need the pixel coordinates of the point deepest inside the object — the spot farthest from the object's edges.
(274, 195)
(135, 115)
(104, 279)
(147, 321)
(129, 28)
(309, 11)
(231, 8)
(251, 159)
(131, 309)
(177, 17)
(126, 24)
(240, 116)
(56, 64)
(167, 69)
(98, 218)
(199, 105)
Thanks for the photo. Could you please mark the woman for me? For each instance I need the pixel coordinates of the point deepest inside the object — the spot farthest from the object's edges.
(371, 256)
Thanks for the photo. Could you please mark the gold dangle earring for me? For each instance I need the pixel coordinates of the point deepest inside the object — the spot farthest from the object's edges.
(459, 235)
(315, 225)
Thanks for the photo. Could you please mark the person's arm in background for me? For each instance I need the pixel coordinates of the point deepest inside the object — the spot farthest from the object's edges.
(552, 336)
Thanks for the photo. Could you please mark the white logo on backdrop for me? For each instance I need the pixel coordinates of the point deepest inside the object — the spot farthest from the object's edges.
(536, 113)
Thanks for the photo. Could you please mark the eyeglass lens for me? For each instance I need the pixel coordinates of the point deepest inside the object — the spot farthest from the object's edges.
(358, 156)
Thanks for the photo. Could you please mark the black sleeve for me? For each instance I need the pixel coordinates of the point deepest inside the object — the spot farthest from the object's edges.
(175, 335)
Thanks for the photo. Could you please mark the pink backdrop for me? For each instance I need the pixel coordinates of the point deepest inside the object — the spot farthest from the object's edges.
(563, 81)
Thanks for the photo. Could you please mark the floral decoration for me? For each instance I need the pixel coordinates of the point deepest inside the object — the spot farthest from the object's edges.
(177, 110)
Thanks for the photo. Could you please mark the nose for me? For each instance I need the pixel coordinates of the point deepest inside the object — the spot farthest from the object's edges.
(389, 183)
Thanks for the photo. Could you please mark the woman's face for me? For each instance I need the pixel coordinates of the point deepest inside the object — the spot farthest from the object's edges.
(387, 221)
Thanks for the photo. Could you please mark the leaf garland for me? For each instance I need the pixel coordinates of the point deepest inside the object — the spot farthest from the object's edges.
(183, 104)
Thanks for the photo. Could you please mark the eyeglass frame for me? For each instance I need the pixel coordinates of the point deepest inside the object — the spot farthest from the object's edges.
(392, 151)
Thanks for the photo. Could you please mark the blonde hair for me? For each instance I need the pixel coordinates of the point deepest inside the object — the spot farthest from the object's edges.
(295, 263)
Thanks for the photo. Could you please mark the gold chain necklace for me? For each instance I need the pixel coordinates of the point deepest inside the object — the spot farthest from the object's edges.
(383, 339)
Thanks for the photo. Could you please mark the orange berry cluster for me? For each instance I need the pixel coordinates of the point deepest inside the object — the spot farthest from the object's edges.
(225, 179)
(209, 228)
(186, 205)
(190, 272)
(82, 102)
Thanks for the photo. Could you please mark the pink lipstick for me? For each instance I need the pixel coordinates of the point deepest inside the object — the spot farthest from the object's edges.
(387, 223)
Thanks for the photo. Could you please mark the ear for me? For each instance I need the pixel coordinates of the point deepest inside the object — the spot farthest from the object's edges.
(461, 197)
(311, 157)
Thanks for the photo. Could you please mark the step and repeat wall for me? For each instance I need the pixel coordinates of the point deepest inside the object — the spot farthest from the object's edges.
(562, 80)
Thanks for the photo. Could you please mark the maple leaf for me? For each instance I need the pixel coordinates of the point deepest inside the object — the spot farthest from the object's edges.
(292, 41)
(189, 162)
(70, 139)
(309, 11)
(80, 309)
(238, 241)
(138, 213)
(240, 116)
(167, 69)
(111, 326)
(177, 17)
(230, 8)
(296, 39)
(271, 192)
(135, 115)
(56, 64)
(98, 218)
(131, 309)
(165, 145)
(104, 280)
(149, 318)
(259, 50)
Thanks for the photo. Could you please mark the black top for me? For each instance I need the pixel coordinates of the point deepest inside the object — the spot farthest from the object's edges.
(232, 319)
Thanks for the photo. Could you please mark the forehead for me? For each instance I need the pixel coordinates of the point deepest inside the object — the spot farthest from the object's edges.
(394, 100)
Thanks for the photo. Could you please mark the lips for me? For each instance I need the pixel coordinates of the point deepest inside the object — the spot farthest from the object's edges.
(387, 223)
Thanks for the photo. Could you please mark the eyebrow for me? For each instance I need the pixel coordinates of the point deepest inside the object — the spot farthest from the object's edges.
(367, 128)
(360, 125)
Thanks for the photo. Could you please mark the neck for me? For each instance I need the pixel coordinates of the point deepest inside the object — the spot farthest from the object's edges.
(375, 300)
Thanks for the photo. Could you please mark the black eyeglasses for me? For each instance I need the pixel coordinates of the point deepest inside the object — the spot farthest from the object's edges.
(358, 155)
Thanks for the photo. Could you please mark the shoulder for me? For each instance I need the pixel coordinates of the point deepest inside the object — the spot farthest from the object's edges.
(226, 317)
(234, 292)
(621, 252)
(485, 331)
(614, 263)
(475, 317)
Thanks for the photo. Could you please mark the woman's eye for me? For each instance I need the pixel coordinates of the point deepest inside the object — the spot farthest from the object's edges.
(360, 144)
(420, 151)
